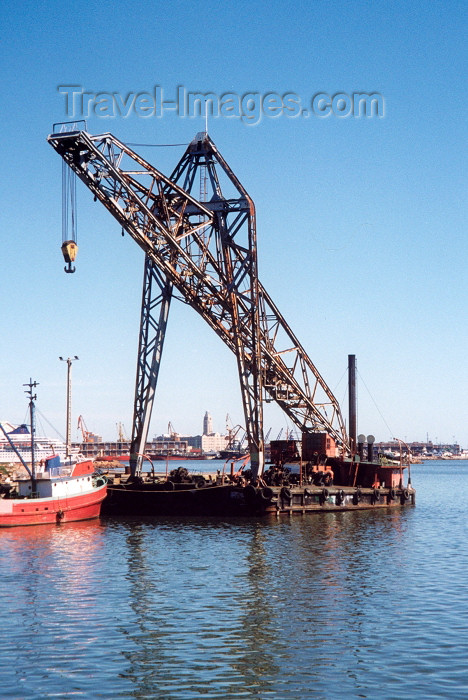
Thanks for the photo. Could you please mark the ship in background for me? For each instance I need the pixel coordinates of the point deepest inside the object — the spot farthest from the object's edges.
(20, 436)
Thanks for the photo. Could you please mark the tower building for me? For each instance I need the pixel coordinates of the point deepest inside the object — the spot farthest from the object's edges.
(207, 424)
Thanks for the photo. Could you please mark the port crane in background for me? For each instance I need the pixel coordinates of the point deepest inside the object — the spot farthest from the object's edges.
(84, 430)
(171, 431)
(232, 432)
(206, 253)
(121, 435)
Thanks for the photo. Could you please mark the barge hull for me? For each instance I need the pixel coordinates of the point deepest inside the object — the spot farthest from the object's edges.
(230, 500)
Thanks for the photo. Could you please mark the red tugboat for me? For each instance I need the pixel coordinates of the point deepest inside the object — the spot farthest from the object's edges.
(61, 493)
(52, 492)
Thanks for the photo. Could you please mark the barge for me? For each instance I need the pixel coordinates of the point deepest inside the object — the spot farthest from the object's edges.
(311, 475)
(286, 487)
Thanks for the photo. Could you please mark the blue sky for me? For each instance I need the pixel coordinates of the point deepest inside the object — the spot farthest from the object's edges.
(361, 222)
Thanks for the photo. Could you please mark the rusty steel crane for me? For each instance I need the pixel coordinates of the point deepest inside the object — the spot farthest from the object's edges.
(207, 252)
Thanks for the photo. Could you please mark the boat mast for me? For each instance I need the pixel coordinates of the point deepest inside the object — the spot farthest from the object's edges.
(32, 385)
(69, 362)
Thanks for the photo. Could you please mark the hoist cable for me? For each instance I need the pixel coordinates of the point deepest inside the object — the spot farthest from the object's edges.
(156, 145)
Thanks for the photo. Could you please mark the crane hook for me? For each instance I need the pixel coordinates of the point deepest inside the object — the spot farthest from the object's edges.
(69, 251)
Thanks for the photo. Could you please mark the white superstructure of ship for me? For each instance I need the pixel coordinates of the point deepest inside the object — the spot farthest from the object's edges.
(20, 436)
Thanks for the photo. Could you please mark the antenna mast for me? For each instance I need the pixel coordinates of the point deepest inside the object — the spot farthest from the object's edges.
(32, 385)
(69, 362)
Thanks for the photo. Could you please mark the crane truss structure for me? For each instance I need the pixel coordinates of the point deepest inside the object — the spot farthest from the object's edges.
(206, 251)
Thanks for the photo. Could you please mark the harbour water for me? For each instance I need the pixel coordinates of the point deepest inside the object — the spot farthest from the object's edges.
(346, 605)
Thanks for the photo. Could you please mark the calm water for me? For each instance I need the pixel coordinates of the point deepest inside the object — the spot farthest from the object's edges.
(348, 605)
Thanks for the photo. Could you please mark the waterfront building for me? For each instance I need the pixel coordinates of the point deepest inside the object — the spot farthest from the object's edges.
(420, 449)
(209, 442)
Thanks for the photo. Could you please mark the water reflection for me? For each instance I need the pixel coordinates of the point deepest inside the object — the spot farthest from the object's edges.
(257, 643)
(331, 605)
(145, 650)
(48, 603)
(339, 567)
(238, 604)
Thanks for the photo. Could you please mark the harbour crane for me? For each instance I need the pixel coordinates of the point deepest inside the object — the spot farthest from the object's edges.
(121, 435)
(205, 251)
(171, 432)
(232, 433)
(84, 430)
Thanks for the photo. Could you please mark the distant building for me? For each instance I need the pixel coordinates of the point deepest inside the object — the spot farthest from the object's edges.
(171, 444)
(209, 441)
(167, 445)
(214, 442)
(419, 448)
(207, 424)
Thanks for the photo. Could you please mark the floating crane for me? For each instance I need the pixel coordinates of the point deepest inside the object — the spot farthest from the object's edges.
(207, 253)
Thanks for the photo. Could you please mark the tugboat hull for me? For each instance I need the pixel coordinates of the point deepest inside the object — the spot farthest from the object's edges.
(42, 511)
